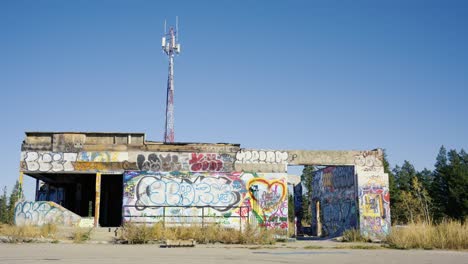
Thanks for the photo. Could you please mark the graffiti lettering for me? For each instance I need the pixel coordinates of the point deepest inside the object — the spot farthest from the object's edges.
(368, 160)
(40, 213)
(49, 161)
(205, 162)
(211, 191)
(102, 156)
(254, 156)
(155, 162)
(268, 194)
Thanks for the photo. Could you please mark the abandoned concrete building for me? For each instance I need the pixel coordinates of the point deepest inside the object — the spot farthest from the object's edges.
(105, 179)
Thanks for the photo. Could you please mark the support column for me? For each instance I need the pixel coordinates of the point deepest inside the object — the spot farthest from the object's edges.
(36, 195)
(20, 186)
(97, 202)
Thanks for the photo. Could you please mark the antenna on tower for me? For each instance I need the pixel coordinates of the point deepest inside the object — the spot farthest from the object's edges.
(177, 27)
(170, 47)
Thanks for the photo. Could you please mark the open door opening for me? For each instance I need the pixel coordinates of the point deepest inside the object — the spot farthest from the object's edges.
(110, 214)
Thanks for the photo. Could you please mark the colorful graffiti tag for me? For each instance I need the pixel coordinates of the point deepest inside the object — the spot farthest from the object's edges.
(374, 204)
(194, 162)
(334, 188)
(102, 156)
(230, 198)
(41, 213)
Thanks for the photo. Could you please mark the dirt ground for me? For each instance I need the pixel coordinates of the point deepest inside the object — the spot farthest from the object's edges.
(295, 252)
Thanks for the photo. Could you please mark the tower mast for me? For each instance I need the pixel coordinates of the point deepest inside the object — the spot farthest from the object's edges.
(170, 47)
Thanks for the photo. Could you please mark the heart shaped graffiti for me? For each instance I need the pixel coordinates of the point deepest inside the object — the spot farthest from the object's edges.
(269, 195)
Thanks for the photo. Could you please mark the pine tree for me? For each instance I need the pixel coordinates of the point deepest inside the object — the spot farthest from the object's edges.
(306, 178)
(14, 196)
(457, 183)
(404, 176)
(404, 187)
(425, 177)
(439, 187)
(3, 207)
(290, 208)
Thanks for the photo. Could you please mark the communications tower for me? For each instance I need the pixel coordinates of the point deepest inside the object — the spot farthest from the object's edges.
(171, 47)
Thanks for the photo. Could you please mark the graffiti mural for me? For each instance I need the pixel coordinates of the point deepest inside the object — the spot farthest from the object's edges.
(374, 204)
(41, 213)
(261, 156)
(194, 162)
(227, 198)
(48, 161)
(334, 189)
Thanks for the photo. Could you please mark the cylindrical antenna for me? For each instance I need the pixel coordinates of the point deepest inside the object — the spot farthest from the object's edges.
(165, 27)
(177, 27)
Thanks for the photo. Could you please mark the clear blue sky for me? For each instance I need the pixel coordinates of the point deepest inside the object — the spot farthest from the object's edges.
(266, 74)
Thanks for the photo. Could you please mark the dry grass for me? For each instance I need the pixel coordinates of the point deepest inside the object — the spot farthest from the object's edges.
(446, 235)
(353, 235)
(18, 234)
(313, 247)
(81, 235)
(142, 234)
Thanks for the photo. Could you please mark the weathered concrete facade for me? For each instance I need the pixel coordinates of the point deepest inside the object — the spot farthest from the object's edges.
(121, 176)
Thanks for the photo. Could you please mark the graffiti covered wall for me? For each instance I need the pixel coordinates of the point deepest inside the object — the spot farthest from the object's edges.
(374, 204)
(335, 190)
(231, 199)
(118, 162)
(41, 213)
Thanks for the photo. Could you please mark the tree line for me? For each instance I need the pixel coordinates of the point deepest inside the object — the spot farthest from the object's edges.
(430, 195)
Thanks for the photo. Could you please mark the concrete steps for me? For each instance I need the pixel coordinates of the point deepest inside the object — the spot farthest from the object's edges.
(104, 234)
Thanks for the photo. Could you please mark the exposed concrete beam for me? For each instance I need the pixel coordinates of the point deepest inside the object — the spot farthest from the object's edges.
(331, 157)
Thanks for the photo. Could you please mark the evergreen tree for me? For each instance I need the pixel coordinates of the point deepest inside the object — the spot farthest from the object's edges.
(439, 186)
(404, 176)
(290, 208)
(457, 183)
(3, 207)
(406, 199)
(307, 178)
(14, 196)
(425, 177)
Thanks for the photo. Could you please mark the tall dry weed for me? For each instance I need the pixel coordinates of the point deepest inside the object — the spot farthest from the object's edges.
(449, 234)
(18, 234)
(215, 233)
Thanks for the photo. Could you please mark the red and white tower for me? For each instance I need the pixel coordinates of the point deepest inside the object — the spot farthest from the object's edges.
(171, 47)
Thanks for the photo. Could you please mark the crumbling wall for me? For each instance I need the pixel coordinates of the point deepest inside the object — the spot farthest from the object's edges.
(335, 190)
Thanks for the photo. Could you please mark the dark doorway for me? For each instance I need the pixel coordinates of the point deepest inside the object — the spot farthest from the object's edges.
(111, 200)
(75, 192)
